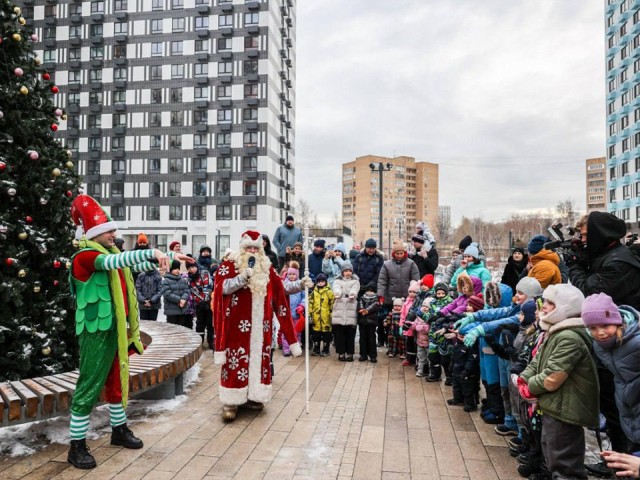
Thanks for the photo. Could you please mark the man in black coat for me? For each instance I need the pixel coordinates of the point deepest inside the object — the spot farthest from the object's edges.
(367, 265)
(425, 256)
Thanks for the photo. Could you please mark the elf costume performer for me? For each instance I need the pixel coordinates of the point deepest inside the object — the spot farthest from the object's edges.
(248, 292)
(106, 325)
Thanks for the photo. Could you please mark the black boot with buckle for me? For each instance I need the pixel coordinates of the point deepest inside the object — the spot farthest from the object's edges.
(122, 436)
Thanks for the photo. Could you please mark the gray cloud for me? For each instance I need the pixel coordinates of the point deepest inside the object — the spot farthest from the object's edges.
(508, 97)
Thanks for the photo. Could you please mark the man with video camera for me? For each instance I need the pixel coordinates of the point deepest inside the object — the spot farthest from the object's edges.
(600, 263)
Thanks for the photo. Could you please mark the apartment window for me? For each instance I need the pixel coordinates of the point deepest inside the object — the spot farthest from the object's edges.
(223, 188)
(250, 139)
(157, 4)
(96, 52)
(155, 72)
(200, 117)
(250, 66)
(153, 212)
(624, 122)
(612, 85)
(625, 145)
(74, 54)
(177, 4)
(74, 99)
(224, 115)
(73, 143)
(177, 71)
(224, 164)
(624, 169)
(223, 212)
(225, 68)
(625, 98)
(177, 119)
(155, 119)
(250, 187)
(610, 64)
(175, 165)
(624, 5)
(156, 141)
(118, 213)
(119, 96)
(638, 165)
(175, 189)
(250, 164)
(95, 144)
(95, 30)
(250, 114)
(156, 26)
(199, 189)
(612, 128)
(611, 108)
(176, 94)
(251, 18)
(75, 32)
(119, 74)
(117, 189)
(50, 11)
(200, 140)
(224, 91)
(612, 173)
(202, 2)
(48, 33)
(120, 5)
(624, 52)
(249, 212)
(623, 76)
(119, 51)
(155, 189)
(636, 90)
(251, 43)
(201, 46)
(199, 165)
(224, 44)
(156, 49)
(74, 9)
(93, 168)
(200, 69)
(201, 23)
(198, 212)
(154, 165)
(251, 91)
(156, 95)
(117, 143)
(97, 7)
(175, 141)
(119, 119)
(223, 140)
(118, 166)
(175, 212)
(73, 121)
(93, 189)
(625, 214)
(225, 20)
(95, 121)
(177, 25)
(201, 93)
(612, 196)
(50, 55)
(120, 28)
(637, 189)
(176, 47)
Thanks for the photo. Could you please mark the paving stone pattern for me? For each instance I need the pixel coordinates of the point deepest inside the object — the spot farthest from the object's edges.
(365, 421)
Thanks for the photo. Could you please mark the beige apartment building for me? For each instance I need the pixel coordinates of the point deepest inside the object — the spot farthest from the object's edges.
(596, 169)
(409, 195)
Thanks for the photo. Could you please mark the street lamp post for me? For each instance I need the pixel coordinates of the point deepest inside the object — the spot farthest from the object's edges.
(380, 168)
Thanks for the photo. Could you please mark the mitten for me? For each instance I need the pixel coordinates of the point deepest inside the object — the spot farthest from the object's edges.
(472, 335)
(464, 322)
(246, 273)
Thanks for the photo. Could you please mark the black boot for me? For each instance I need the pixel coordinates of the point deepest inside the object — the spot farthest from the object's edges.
(325, 349)
(79, 455)
(316, 349)
(122, 436)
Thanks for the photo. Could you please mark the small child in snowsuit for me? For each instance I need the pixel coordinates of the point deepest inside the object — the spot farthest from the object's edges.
(421, 328)
(406, 323)
(296, 305)
(368, 306)
(466, 374)
(321, 302)
(392, 324)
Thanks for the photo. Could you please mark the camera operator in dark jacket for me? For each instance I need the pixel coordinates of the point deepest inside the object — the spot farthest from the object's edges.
(604, 265)
(425, 256)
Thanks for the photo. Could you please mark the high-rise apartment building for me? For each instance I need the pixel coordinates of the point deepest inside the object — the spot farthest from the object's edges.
(409, 195)
(596, 184)
(180, 112)
(622, 42)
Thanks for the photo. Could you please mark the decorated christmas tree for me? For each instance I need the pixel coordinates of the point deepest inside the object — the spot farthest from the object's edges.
(37, 184)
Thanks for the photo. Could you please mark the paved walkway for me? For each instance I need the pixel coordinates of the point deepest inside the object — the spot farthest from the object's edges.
(365, 422)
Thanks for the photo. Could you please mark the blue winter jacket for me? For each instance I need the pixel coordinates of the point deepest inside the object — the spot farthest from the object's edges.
(491, 318)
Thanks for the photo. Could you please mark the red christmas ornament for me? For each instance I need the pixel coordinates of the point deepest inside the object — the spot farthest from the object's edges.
(9, 261)
(28, 219)
(56, 283)
(2, 166)
(56, 264)
(69, 193)
(54, 127)
(55, 89)
(46, 76)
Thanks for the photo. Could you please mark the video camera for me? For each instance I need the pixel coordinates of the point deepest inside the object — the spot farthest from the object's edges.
(560, 243)
(631, 239)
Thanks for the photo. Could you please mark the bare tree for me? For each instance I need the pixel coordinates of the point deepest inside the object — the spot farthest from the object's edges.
(336, 221)
(442, 228)
(566, 209)
(304, 213)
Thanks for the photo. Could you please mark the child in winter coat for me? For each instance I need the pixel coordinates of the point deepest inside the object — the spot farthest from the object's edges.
(467, 286)
(441, 298)
(392, 324)
(321, 302)
(563, 379)
(420, 329)
(148, 288)
(426, 290)
(466, 373)
(296, 306)
(176, 294)
(368, 306)
(405, 325)
(345, 314)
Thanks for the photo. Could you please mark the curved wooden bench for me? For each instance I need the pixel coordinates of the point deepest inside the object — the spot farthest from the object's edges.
(171, 351)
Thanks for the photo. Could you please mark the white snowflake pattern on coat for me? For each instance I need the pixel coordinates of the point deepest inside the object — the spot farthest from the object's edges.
(244, 326)
(265, 373)
(223, 270)
(225, 373)
(265, 325)
(282, 311)
(234, 300)
(243, 374)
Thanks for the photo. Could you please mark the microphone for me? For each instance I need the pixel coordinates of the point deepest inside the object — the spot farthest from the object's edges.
(252, 261)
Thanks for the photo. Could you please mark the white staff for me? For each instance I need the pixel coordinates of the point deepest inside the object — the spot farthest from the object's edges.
(306, 317)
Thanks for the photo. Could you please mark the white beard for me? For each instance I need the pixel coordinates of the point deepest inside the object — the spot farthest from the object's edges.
(260, 278)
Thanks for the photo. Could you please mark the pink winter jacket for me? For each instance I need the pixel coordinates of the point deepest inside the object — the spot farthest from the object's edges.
(406, 306)
(421, 330)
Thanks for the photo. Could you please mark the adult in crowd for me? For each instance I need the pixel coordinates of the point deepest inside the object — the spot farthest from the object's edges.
(176, 294)
(393, 281)
(472, 266)
(268, 251)
(106, 322)
(205, 260)
(333, 261)
(354, 252)
(175, 247)
(148, 288)
(543, 264)
(285, 238)
(248, 294)
(601, 264)
(425, 255)
(201, 286)
(316, 257)
(367, 265)
(456, 258)
(516, 265)
(142, 242)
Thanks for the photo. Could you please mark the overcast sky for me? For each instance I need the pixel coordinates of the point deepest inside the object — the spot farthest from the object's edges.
(507, 96)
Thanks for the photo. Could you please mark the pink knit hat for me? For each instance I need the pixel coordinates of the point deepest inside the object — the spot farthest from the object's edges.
(291, 270)
(599, 309)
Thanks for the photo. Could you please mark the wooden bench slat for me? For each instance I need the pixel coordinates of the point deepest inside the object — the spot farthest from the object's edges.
(12, 400)
(46, 397)
(61, 394)
(29, 399)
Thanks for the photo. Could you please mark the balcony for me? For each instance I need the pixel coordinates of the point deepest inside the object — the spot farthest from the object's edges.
(289, 22)
(203, 9)
(117, 199)
(251, 150)
(121, 38)
(201, 152)
(253, 6)
(75, 65)
(120, 62)
(284, 32)
(75, 41)
(73, 87)
(225, 78)
(203, 33)
(225, 127)
(96, 63)
(50, 21)
(253, 54)
(224, 175)
(95, 132)
(225, 31)
(201, 175)
(251, 126)
(202, 57)
(227, 8)
(223, 199)
(92, 178)
(289, 42)
(120, 107)
(118, 153)
(253, 30)
(73, 132)
(253, 78)
(202, 80)
(225, 150)
(96, 86)
(226, 56)
(252, 102)
(252, 175)
(76, 19)
(120, 130)
(95, 108)
(120, 84)
(202, 128)
(97, 18)
(288, 62)
(121, 16)
(202, 104)
(97, 40)
(73, 108)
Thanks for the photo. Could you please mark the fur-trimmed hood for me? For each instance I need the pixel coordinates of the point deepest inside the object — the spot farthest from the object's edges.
(469, 285)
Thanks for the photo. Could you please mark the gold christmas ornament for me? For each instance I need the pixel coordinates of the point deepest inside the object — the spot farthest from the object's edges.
(56, 172)
(64, 117)
(69, 153)
(17, 10)
(37, 61)
(69, 165)
(22, 21)
(36, 287)
(24, 90)
(46, 351)
(23, 235)
(68, 265)
(17, 37)
(22, 273)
